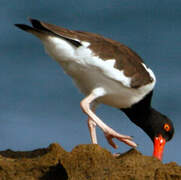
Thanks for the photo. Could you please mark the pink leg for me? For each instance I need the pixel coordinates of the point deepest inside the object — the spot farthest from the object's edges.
(92, 129)
(92, 126)
(108, 132)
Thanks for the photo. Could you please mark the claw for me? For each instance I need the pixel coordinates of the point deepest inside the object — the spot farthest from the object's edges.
(126, 139)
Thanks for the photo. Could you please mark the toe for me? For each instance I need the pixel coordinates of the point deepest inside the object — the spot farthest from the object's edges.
(110, 141)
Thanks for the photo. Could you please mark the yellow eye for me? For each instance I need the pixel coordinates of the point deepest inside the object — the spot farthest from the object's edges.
(166, 127)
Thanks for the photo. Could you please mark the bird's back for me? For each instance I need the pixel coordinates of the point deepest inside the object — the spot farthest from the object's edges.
(95, 61)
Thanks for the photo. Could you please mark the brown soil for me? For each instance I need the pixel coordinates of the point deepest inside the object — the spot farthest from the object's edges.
(84, 162)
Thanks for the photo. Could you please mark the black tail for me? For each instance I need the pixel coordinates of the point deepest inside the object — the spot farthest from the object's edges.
(39, 30)
(24, 27)
(36, 28)
(36, 24)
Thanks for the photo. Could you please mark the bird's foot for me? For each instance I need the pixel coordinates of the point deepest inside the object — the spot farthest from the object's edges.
(123, 138)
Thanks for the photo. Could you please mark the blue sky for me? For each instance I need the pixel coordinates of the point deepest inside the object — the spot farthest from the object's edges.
(39, 103)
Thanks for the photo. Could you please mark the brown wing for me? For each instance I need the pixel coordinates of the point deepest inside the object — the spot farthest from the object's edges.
(105, 48)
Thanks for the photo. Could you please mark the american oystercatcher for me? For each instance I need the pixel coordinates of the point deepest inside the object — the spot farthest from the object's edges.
(110, 73)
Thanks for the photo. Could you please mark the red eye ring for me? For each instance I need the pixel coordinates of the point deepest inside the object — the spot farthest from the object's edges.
(166, 127)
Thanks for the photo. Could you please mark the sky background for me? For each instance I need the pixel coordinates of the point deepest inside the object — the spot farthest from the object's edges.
(39, 104)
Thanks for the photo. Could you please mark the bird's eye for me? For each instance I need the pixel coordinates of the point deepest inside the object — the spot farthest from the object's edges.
(166, 127)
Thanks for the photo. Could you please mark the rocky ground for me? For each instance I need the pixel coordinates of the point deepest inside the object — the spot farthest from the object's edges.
(84, 162)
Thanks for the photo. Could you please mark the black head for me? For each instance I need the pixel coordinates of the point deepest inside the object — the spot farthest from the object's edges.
(160, 129)
(158, 124)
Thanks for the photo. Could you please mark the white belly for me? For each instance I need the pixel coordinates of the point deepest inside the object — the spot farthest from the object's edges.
(90, 72)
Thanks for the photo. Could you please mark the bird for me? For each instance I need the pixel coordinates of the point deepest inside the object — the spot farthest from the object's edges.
(106, 72)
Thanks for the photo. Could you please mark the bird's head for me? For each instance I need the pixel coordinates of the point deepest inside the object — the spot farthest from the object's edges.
(160, 129)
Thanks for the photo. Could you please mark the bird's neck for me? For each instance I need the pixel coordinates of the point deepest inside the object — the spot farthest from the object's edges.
(140, 112)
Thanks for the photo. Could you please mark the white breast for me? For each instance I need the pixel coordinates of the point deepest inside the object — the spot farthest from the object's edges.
(90, 72)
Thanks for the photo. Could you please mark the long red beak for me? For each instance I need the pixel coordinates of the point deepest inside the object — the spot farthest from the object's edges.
(159, 144)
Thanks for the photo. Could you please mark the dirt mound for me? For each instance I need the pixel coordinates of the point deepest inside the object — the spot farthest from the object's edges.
(84, 162)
